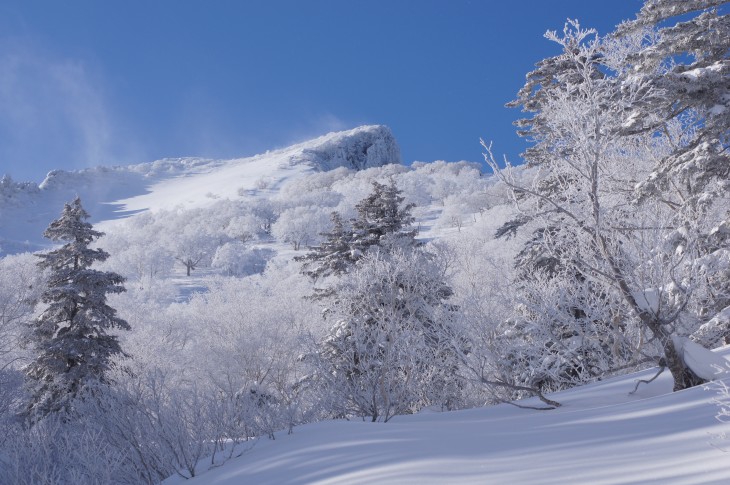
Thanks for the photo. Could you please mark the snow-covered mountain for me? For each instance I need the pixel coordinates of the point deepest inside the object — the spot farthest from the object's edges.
(241, 321)
(110, 193)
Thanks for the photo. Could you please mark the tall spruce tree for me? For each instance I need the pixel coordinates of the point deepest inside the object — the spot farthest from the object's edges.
(74, 350)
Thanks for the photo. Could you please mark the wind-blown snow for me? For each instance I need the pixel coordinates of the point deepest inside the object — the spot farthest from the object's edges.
(367, 146)
(600, 435)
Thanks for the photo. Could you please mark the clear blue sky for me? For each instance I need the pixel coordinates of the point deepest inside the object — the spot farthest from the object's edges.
(89, 82)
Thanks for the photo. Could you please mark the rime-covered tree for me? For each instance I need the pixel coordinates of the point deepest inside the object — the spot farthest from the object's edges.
(682, 71)
(334, 255)
(382, 219)
(564, 329)
(70, 336)
(392, 347)
(582, 196)
(382, 215)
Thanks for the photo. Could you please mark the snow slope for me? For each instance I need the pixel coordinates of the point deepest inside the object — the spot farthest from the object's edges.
(601, 435)
(110, 193)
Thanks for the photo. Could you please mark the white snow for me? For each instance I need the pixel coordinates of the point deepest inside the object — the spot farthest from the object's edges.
(703, 362)
(600, 435)
(649, 300)
(111, 193)
(367, 146)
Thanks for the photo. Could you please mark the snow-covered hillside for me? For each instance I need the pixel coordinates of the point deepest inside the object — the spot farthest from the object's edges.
(600, 435)
(324, 313)
(226, 342)
(111, 193)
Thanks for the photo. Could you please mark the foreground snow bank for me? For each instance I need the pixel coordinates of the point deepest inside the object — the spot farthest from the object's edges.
(600, 435)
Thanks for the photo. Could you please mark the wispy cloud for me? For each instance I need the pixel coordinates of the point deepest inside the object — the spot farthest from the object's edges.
(53, 113)
(318, 125)
(203, 130)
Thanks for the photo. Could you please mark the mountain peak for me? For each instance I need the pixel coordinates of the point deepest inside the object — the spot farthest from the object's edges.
(360, 148)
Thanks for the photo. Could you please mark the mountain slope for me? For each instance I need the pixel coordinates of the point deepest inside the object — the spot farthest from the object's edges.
(110, 193)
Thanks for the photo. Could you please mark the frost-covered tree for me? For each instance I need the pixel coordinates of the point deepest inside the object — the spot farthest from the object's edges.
(334, 255)
(382, 214)
(21, 284)
(236, 259)
(582, 194)
(193, 247)
(573, 203)
(393, 346)
(71, 335)
(244, 227)
(682, 71)
(299, 226)
(382, 220)
(565, 332)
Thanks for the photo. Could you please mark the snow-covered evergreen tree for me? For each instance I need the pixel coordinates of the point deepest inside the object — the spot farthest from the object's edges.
(391, 347)
(682, 71)
(382, 214)
(334, 255)
(382, 219)
(71, 334)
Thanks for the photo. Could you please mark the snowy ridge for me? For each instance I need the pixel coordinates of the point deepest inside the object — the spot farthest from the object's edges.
(116, 192)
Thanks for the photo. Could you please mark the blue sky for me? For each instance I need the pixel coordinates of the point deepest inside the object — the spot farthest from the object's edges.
(86, 83)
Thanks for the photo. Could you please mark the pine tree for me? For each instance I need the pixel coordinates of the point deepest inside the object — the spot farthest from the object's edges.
(333, 256)
(70, 335)
(380, 216)
(382, 220)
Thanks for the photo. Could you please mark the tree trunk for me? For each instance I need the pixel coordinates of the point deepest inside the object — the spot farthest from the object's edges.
(683, 376)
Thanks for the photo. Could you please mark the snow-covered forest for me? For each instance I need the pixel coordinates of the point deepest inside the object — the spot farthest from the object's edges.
(217, 305)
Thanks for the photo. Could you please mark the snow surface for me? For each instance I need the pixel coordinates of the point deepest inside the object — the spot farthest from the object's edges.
(111, 193)
(601, 435)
